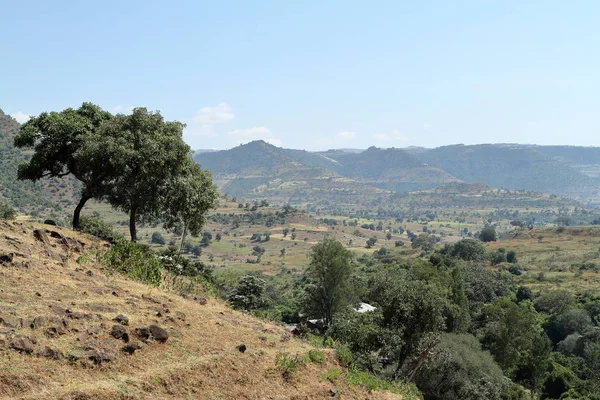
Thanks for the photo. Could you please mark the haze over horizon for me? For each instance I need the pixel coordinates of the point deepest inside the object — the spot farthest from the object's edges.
(316, 75)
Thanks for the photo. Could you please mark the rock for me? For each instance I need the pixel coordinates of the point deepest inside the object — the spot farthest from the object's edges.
(8, 321)
(56, 235)
(50, 352)
(201, 300)
(334, 392)
(6, 257)
(121, 319)
(143, 333)
(94, 330)
(38, 322)
(100, 355)
(22, 344)
(89, 273)
(179, 315)
(158, 333)
(55, 331)
(40, 235)
(38, 294)
(241, 348)
(119, 332)
(49, 222)
(130, 348)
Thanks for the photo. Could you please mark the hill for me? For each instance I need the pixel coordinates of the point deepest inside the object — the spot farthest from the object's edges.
(259, 170)
(391, 169)
(515, 167)
(60, 336)
(27, 197)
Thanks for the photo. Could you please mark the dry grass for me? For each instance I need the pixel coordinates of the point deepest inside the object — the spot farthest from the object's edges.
(198, 361)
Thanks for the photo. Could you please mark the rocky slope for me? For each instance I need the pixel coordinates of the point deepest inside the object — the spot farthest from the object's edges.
(72, 329)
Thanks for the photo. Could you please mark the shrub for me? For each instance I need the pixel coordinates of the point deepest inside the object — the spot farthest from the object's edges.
(6, 210)
(135, 260)
(287, 365)
(316, 356)
(344, 355)
(157, 238)
(95, 226)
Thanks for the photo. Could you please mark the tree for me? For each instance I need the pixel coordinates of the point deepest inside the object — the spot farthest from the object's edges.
(329, 274)
(151, 158)
(468, 249)
(56, 138)
(371, 242)
(425, 241)
(248, 294)
(488, 234)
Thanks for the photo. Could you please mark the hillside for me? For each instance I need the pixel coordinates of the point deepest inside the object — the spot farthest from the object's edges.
(391, 169)
(259, 170)
(41, 198)
(513, 167)
(59, 338)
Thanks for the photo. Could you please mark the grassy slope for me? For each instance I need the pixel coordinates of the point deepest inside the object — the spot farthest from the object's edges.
(198, 361)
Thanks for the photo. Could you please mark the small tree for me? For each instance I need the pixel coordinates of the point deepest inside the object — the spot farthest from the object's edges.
(329, 272)
(248, 294)
(488, 234)
(371, 242)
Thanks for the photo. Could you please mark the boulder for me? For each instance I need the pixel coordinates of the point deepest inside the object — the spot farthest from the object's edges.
(121, 319)
(130, 348)
(119, 332)
(158, 333)
(50, 352)
(241, 348)
(22, 344)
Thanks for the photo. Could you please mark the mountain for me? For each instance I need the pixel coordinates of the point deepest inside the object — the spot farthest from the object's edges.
(258, 170)
(515, 167)
(391, 169)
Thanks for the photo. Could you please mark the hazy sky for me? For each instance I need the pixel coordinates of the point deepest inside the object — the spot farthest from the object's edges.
(316, 74)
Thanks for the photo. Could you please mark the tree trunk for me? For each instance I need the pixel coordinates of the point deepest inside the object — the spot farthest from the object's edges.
(76, 214)
(132, 230)
(182, 242)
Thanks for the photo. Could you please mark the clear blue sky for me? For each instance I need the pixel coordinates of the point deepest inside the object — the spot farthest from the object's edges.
(316, 74)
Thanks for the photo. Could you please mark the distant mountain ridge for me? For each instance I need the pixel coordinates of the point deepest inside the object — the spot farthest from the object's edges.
(566, 171)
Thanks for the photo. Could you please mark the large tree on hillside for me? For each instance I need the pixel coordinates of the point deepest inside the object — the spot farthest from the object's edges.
(149, 155)
(56, 138)
(329, 272)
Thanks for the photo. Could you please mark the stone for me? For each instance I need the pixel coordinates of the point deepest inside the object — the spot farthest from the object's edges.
(121, 319)
(100, 355)
(22, 344)
(143, 333)
(179, 315)
(50, 352)
(241, 348)
(158, 333)
(40, 235)
(38, 322)
(8, 321)
(6, 257)
(201, 300)
(56, 235)
(49, 222)
(119, 332)
(55, 331)
(130, 348)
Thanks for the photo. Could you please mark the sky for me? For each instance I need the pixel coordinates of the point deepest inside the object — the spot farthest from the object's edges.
(315, 75)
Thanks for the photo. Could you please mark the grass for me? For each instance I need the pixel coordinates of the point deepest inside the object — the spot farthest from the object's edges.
(199, 360)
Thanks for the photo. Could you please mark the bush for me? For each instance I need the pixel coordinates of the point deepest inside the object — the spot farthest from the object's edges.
(6, 211)
(135, 260)
(287, 365)
(488, 234)
(316, 356)
(95, 226)
(157, 238)
(344, 355)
